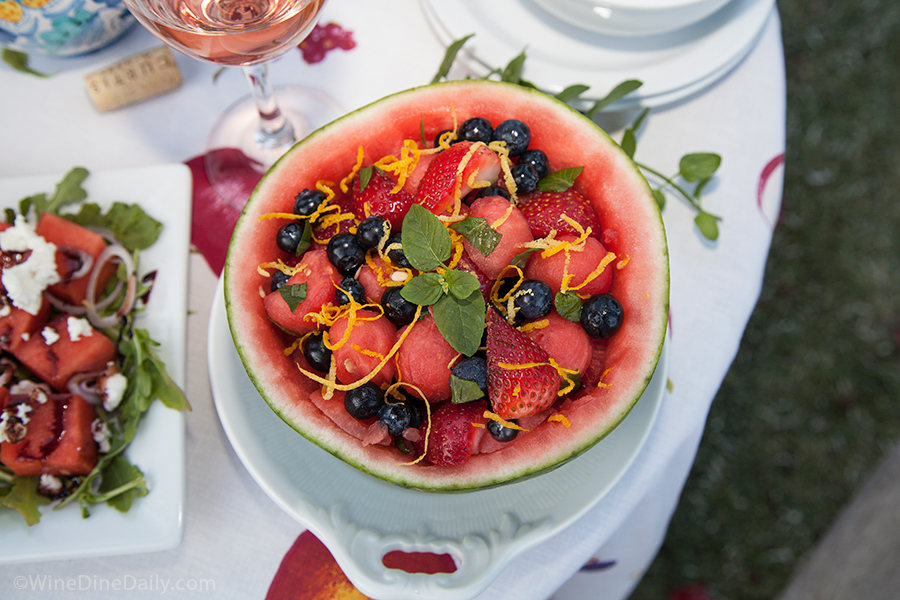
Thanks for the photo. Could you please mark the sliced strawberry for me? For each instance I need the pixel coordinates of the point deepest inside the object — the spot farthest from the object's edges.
(325, 233)
(379, 198)
(543, 211)
(453, 435)
(517, 392)
(438, 187)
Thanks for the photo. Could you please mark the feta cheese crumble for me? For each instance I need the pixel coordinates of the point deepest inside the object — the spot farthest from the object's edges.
(50, 485)
(78, 327)
(114, 391)
(100, 432)
(26, 281)
(50, 335)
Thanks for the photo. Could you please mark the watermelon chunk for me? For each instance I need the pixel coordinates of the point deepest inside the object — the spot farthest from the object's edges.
(65, 234)
(54, 356)
(320, 278)
(17, 325)
(58, 439)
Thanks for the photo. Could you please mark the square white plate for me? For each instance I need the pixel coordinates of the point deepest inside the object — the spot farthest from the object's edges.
(154, 521)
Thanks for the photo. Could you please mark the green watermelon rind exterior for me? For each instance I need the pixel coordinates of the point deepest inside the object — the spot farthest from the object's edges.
(401, 475)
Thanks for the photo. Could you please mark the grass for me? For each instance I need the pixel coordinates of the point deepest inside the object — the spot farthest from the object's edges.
(812, 401)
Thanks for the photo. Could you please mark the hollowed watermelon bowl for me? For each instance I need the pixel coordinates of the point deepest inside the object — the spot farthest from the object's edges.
(619, 195)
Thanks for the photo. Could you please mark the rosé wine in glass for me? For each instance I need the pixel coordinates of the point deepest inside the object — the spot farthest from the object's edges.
(246, 34)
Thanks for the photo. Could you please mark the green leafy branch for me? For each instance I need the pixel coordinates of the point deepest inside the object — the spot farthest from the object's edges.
(19, 62)
(694, 168)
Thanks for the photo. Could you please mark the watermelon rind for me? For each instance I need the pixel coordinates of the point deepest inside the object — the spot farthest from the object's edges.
(619, 193)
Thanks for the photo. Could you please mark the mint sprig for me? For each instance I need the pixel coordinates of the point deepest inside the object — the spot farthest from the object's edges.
(293, 294)
(458, 305)
(559, 181)
(463, 390)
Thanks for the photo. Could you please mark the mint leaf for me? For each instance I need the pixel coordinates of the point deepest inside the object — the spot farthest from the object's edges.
(19, 61)
(293, 294)
(708, 225)
(572, 92)
(512, 73)
(132, 227)
(521, 259)
(426, 242)
(699, 166)
(463, 390)
(424, 289)
(461, 283)
(660, 197)
(479, 233)
(617, 93)
(568, 305)
(461, 321)
(365, 175)
(450, 56)
(559, 181)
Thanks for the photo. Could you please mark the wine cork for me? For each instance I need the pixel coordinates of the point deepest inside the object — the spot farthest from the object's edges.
(133, 79)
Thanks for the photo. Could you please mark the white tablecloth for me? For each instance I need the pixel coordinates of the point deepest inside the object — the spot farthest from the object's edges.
(234, 535)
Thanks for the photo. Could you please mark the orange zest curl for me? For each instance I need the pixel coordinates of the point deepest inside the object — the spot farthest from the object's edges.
(508, 424)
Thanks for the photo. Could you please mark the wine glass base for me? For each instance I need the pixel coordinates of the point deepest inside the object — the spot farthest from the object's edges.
(236, 130)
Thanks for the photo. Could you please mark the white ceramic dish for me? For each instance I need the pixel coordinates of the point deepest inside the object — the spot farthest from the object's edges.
(154, 521)
(631, 17)
(671, 66)
(361, 518)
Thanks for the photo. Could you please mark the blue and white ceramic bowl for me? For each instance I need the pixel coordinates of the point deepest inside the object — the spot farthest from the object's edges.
(62, 27)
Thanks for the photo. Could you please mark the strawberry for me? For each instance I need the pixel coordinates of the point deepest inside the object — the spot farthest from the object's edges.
(437, 189)
(345, 202)
(517, 392)
(453, 435)
(377, 194)
(543, 210)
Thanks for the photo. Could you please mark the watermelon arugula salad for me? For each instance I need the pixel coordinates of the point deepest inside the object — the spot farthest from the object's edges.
(76, 373)
(452, 288)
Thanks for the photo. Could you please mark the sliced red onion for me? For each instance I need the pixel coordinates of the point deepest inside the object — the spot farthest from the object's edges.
(111, 252)
(85, 259)
(85, 385)
(8, 370)
(62, 305)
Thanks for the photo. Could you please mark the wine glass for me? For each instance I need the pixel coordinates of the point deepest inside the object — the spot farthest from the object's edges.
(244, 33)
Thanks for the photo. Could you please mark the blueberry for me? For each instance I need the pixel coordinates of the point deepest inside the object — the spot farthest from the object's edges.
(437, 138)
(289, 236)
(601, 316)
(501, 433)
(308, 201)
(397, 309)
(526, 178)
(370, 231)
(472, 369)
(345, 253)
(316, 353)
(398, 258)
(279, 278)
(515, 133)
(534, 299)
(364, 402)
(354, 288)
(397, 416)
(492, 190)
(538, 160)
(476, 129)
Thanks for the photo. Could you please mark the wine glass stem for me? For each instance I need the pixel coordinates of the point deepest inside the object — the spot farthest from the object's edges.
(274, 130)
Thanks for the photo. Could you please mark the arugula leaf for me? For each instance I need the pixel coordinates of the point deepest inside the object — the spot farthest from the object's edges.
(22, 495)
(68, 191)
(449, 57)
(19, 61)
(121, 481)
(559, 181)
(568, 305)
(424, 289)
(132, 227)
(293, 294)
(463, 390)
(461, 283)
(479, 233)
(426, 242)
(461, 321)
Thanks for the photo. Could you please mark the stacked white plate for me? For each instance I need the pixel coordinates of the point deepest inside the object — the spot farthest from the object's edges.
(672, 65)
